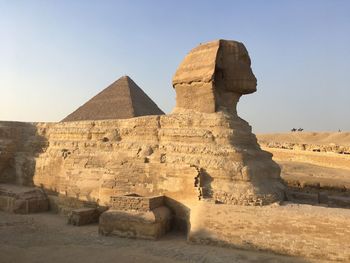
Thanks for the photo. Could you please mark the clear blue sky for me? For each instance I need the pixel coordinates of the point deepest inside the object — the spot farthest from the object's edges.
(55, 55)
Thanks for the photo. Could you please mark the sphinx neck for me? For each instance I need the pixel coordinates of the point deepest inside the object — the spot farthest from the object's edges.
(227, 101)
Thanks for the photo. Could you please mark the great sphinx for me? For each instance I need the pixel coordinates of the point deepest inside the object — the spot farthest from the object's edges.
(213, 76)
(210, 80)
(202, 151)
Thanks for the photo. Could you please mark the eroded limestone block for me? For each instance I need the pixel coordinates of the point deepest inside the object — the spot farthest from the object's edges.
(85, 216)
(64, 205)
(136, 216)
(136, 202)
(136, 224)
(22, 200)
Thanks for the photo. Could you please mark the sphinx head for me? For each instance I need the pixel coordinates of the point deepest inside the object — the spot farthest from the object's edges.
(213, 76)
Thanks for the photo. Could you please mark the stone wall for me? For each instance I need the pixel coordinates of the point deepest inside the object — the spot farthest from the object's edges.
(136, 202)
(185, 156)
(19, 145)
(330, 148)
(192, 156)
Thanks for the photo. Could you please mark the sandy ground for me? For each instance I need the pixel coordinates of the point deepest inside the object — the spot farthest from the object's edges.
(339, 138)
(327, 168)
(47, 238)
(314, 171)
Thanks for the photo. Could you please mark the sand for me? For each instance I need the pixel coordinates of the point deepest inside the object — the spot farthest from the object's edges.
(324, 138)
(46, 238)
(329, 169)
(314, 170)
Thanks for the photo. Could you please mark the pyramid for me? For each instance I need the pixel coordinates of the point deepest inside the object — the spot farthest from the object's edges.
(122, 99)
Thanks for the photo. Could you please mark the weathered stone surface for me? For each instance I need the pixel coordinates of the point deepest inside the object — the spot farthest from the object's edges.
(216, 74)
(136, 216)
(330, 148)
(64, 205)
(323, 198)
(302, 197)
(136, 202)
(182, 156)
(302, 181)
(19, 145)
(331, 160)
(151, 224)
(84, 216)
(22, 200)
(342, 201)
(122, 99)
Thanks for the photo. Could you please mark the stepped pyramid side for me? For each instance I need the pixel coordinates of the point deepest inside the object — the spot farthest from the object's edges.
(122, 99)
(141, 103)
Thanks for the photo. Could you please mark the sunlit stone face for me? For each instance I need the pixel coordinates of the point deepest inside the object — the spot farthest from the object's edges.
(233, 72)
(213, 76)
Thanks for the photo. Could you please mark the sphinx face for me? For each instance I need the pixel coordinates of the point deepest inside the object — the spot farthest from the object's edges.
(233, 72)
(213, 76)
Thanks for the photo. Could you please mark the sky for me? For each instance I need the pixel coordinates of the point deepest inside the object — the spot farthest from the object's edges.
(56, 55)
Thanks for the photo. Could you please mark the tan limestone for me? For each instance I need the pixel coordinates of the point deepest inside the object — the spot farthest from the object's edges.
(213, 76)
(22, 200)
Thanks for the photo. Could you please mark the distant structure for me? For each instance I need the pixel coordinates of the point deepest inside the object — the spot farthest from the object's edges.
(123, 99)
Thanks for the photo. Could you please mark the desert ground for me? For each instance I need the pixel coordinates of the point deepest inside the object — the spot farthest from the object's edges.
(46, 237)
(322, 138)
(313, 160)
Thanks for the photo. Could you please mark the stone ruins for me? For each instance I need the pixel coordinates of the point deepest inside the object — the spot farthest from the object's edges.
(204, 154)
(202, 151)
(158, 171)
